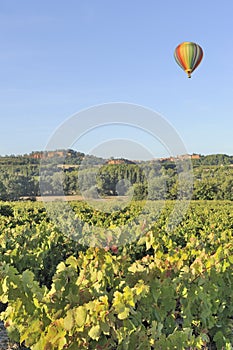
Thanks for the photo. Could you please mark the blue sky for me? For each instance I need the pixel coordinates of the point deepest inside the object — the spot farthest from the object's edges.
(59, 57)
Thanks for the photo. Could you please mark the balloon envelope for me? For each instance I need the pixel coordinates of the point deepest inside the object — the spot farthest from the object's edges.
(188, 55)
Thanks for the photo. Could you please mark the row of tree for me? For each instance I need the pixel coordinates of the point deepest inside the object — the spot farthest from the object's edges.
(151, 181)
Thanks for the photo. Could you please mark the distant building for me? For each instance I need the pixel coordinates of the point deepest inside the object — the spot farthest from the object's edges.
(48, 154)
(181, 157)
(119, 161)
(195, 156)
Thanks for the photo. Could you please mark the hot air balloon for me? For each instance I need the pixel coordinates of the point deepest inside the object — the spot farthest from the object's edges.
(188, 55)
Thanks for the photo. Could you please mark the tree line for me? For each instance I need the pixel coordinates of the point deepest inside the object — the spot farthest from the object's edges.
(151, 180)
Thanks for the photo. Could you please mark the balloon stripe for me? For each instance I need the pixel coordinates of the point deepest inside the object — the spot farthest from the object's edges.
(179, 57)
(189, 54)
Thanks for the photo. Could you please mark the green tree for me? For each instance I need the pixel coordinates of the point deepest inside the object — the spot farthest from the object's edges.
(206, 189)
(157, 188)
(140, 191)
(227, 189)
(3, 192)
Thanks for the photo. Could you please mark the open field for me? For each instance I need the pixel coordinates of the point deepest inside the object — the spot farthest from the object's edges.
(76, 198)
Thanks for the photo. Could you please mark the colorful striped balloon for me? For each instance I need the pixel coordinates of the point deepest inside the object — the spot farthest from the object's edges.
(188, 55)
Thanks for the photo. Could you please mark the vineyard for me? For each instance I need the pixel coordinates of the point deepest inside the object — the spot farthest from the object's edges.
(166, 289)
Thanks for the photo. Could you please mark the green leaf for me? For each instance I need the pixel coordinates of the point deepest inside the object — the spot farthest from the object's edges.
(128, 296)
(80, 315)
(72, 261)
(61, 267)
(124, 314)
(32, 331)
(104, 327)
(119, 306)
(61, 343)
(95, 332)
(69, 320)
(27, 278)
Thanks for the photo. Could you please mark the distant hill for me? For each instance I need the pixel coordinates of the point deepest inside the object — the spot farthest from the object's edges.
(73, 157)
